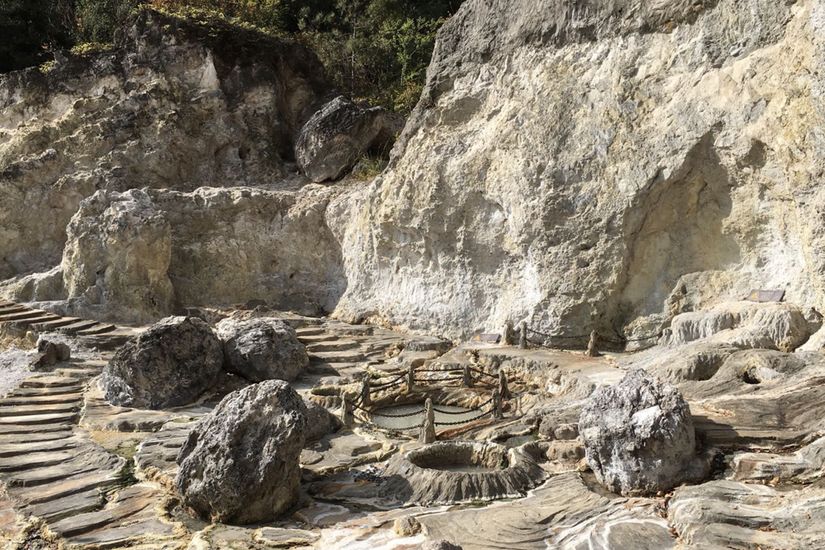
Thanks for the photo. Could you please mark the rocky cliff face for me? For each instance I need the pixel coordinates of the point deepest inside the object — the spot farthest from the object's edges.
(175, 105)
(597, 164)
(204, 120)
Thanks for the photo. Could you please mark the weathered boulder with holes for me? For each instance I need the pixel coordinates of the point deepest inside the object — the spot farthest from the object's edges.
(171, 364)
(239, 464)
(639, 437)
(333, 140)
(262, 349)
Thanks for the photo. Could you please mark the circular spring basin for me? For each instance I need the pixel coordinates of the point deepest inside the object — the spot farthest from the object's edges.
(449, 472)
(407, 417)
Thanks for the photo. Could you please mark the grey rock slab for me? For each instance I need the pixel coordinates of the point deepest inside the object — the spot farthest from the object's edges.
(68, 486)
(27, 446)
(34, 419)
(732, 514)
(562, 513)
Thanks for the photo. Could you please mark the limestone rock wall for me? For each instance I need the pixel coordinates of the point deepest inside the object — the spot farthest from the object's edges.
(598, 164)
(142, 254)
(175, 106)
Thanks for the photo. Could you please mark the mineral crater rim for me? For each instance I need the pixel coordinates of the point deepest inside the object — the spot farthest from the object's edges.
(582, 280)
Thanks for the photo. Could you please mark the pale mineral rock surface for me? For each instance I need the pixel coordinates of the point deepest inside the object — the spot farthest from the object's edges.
(630, 169)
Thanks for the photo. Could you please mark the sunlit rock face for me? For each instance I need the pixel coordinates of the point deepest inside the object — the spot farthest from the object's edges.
(598, 165)
(175, 106)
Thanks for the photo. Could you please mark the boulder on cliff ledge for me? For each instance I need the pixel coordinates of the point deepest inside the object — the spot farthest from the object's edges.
(336, 137)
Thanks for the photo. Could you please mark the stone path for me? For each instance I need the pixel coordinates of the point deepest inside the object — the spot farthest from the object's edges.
(97, 334)
(52, 470)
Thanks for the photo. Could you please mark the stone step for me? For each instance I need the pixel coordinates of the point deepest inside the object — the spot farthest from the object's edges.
(75, 327)
(24, 447)
(96, 330)
(80, 373)
(68, 486)
(31, 320)
(5, 318)
(31, 461)
(49, 381)
(332, 345)
(309, 331)
(50, 474)
(68, 506)
(54, 324)
(336, 357)
(49, 399)
(312, 339)
(53, 435)
(110, 341)
(32, 430)
(47, 391)
(129, 536)
(35, 419)
(13, 308)
(90, 521)
(39, 408)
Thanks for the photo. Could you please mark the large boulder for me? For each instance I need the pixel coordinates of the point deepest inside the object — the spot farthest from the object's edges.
(336, 137)
(638, 436)
(262, 349)
(240, 462)
(169, 365)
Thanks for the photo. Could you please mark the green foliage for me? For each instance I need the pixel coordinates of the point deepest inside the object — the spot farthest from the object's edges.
(98, 19)
(369, 167)
(30, 28)
(89, 48)
(375, 50)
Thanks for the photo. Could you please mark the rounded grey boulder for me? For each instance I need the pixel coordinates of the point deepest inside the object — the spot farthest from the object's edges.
(262, 349)
(169, 365)
(239, 464)
(638, 436)
(336, 136)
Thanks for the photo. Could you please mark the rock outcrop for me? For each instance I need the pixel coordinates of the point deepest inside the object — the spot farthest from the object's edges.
(338, 135)
(169, 365)
(602, 166)
(175, 105)
(239, 464)
(745, 325)
(142, 254)
(117, 255)
(638, 436)
(262, 349)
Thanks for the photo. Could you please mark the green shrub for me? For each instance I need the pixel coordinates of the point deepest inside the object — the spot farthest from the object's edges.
(374, 50)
